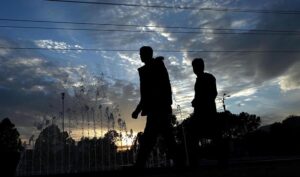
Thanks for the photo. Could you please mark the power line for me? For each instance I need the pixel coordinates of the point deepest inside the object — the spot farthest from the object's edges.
(157, 50)
(285, 12)
(149, 31)
(146, 26)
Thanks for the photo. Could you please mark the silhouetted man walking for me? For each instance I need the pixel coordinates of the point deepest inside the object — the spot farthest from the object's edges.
(203, 122)
(205, 91)
(155, 103)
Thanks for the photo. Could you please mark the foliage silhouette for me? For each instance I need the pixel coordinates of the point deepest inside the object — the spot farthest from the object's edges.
(46, 157)
(232, 128)
(280, 138)
(10, 147)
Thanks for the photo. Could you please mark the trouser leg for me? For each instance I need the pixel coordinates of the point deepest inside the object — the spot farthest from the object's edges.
(193, 152)
(172, 147)
(192, 141)
(146, 145)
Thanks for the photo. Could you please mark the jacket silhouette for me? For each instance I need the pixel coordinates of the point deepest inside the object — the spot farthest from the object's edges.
(205, 94)
(203, 122)
(155, 88)
(155, 103)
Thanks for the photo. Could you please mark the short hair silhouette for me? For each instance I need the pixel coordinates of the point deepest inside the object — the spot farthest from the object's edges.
(198, 65)
(147, 51)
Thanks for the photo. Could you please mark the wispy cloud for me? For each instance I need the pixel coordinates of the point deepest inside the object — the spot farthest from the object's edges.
(245, 93)
(62, 47)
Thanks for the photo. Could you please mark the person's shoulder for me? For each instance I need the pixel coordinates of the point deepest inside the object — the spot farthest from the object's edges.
(159, 62)
(141, 68)
(159, 59)
(209, 76)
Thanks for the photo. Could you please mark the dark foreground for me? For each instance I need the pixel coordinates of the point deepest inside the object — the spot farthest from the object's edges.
(243, 168)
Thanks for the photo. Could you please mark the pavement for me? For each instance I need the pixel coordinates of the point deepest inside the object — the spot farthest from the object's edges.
(250, 167)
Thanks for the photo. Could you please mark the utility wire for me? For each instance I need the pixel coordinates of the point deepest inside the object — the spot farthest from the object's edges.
(286, 12)
(148, 31)
(158, 50)
(146, 26)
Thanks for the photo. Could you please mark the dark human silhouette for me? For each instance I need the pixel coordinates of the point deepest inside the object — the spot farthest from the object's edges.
(155, 103)
(205, 90)
(10, 147)
(203, 122)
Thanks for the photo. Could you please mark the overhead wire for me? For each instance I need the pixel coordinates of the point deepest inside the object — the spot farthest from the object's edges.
(244, 10)
(158, 50)
(150, 31)
(145, 26)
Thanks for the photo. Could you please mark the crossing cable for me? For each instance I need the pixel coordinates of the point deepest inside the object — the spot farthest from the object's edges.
(157, 50)
(145, 26)
(282, 12)
(151, 31)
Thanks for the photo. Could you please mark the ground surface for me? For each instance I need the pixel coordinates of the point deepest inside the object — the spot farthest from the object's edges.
(267, 167)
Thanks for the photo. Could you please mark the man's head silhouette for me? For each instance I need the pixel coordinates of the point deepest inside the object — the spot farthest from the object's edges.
(146, 53)
(198, 66)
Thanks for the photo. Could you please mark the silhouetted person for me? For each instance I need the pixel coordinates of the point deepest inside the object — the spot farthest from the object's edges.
(203, 122)
(155, 103)
(205, 91)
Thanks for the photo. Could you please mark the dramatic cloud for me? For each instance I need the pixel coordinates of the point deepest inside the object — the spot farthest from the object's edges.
(31, 85)
(263, 83)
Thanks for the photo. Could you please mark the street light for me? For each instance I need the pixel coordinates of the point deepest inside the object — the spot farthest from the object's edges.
(63, 111)
(223, 100)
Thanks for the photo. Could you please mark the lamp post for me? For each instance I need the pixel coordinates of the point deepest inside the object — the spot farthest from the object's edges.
(63, 111)
(63, 129)
(223, 101)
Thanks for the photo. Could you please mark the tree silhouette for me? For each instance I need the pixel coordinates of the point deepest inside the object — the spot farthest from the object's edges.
(49, 145)
(228, 129)
(279, 138)
(10, 147)
(236, 126)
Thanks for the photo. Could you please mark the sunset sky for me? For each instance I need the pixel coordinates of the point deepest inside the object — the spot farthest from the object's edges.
(256, 59)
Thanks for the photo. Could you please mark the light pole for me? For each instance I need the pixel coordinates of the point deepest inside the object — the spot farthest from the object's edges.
(63, 129)
(223, 100)
(63, 111)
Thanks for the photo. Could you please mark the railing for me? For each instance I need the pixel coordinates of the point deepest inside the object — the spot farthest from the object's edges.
(34, 162)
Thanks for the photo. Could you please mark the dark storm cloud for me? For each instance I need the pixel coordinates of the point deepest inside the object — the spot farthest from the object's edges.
(240, 74)
(28, 82)
(232, 66)
(237, 71)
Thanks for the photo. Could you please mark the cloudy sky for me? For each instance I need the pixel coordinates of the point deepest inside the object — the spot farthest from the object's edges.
(51, 47)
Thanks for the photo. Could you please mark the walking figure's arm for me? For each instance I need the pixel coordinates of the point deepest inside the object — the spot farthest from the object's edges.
(137, 110)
